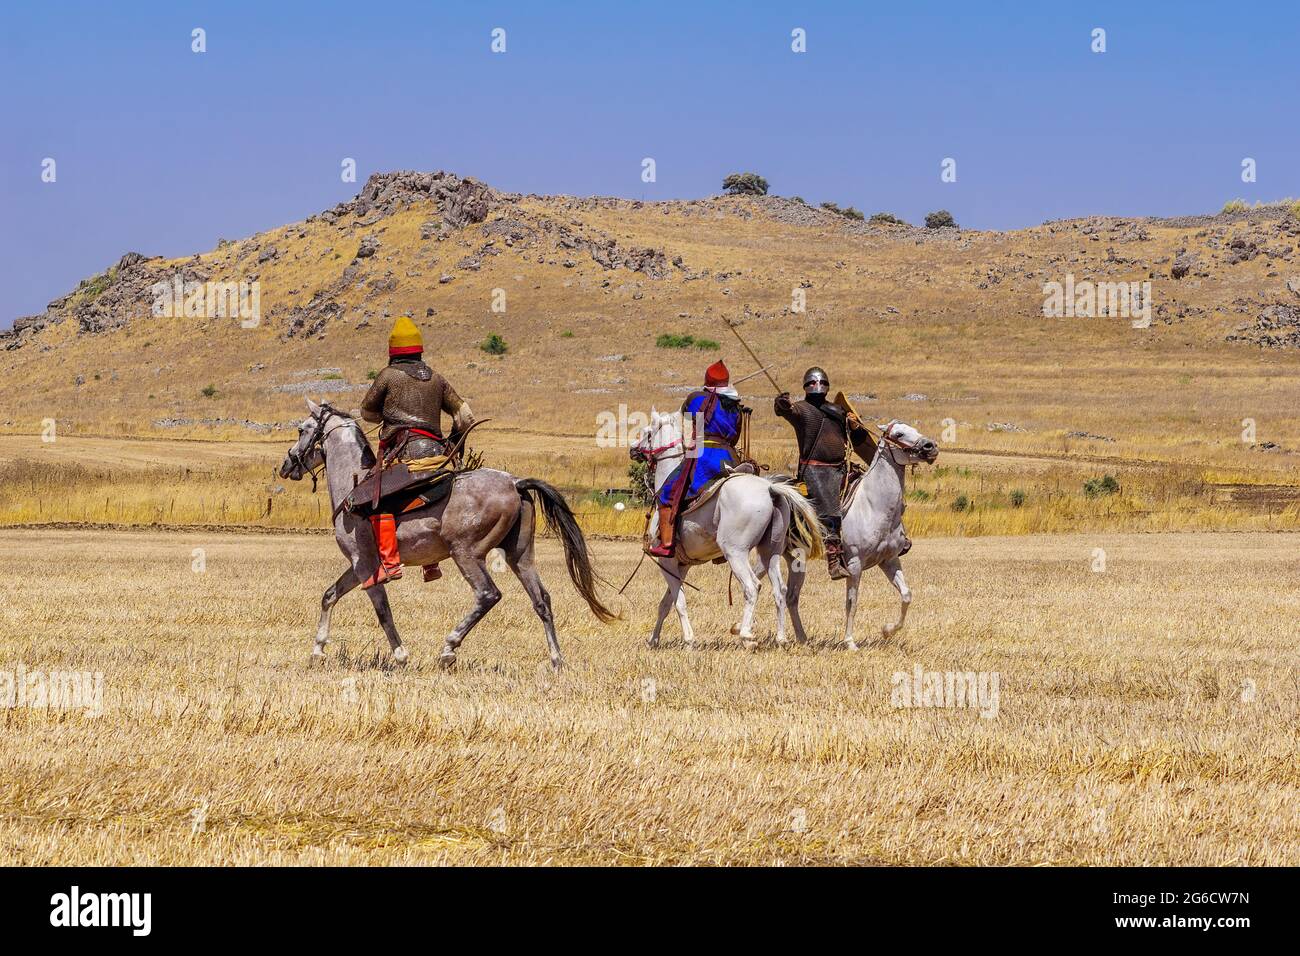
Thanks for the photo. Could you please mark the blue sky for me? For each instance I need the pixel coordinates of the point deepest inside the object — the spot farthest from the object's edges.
(162, 150)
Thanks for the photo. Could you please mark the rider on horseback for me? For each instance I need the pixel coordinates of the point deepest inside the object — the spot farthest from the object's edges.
(824, 431)
(408, 398)
(717, 414)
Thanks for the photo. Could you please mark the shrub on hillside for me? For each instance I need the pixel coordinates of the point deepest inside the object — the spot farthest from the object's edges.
(1097, 487)
(745, 184)
(848, 212)
(494, 345)
(887, 219)
(940, 219)
(1235, 205)
(670, 340)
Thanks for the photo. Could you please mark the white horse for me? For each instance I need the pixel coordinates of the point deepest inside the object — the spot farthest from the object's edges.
(872, 529)
(747, 512)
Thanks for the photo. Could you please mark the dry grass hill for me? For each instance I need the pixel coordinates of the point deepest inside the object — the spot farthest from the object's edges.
(938, 327)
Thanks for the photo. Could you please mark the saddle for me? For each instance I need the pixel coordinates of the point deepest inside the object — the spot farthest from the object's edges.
(401, 486)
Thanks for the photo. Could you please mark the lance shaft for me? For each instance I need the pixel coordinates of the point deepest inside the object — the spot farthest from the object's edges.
(764, 369)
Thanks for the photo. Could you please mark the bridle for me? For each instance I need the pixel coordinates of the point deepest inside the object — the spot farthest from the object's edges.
(896, 444)
(654, 455)
(299, 453)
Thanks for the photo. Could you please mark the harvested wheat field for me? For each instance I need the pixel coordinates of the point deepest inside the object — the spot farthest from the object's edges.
(1144, 714)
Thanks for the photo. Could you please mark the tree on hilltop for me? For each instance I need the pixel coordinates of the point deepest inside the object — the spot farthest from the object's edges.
(745, 184)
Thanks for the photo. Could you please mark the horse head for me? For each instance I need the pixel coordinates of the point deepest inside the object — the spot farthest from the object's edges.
(307, 453)
(907, 445)
(655, 438)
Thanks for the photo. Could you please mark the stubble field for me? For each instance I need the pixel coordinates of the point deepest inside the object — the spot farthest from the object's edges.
(1146, 713)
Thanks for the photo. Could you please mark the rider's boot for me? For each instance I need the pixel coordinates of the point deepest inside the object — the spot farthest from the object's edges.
(664, 548)
(835, 559)
(390, 562)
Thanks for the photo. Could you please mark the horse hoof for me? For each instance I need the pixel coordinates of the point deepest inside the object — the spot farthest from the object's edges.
(750, 644)
(851, 645)
(448, 661)
(782, 642)
(652, 643)
(317, 655)
(557, 664)
(401, 655)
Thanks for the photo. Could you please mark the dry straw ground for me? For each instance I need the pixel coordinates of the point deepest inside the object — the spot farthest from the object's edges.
(1147, 714)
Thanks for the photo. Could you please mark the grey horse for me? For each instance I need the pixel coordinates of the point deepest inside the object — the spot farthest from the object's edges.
(485, 509)
(872, 529)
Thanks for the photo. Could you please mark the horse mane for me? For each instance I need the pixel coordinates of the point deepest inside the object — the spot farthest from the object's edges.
(368, 458)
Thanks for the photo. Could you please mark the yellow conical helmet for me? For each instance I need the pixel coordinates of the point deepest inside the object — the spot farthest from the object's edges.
(405, 338)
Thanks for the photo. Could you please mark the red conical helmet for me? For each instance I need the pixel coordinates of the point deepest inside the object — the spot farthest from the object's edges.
(716, 375)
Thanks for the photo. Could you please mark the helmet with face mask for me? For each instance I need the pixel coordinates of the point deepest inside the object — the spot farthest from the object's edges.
(816, 383)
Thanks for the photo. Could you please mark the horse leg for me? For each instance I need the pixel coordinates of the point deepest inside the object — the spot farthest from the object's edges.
(769, 553)
(518, 549)
(851, 607)
(379, 598)
(893, 570)
(798, 574)
(674, 596)
(473, 569)
(749, 584)
(346, 582)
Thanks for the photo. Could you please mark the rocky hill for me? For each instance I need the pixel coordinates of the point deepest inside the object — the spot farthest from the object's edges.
(605, 301)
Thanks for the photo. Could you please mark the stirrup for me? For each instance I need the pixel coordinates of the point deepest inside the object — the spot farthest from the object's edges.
(382, 576)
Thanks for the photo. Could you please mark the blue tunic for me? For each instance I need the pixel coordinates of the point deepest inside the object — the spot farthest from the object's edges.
(717, 436)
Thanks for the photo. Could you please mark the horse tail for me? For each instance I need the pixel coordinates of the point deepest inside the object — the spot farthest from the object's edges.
(805, 527)
(560, 517)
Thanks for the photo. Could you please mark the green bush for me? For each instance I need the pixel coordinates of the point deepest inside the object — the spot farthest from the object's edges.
(961, 503)
(494, 345)
(940, 219)
(641, 480)
(670, 340)
(371, 375)
(1018, 498)
(210, 391)
(887, 219)
(745, 184)
(1098, 487)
